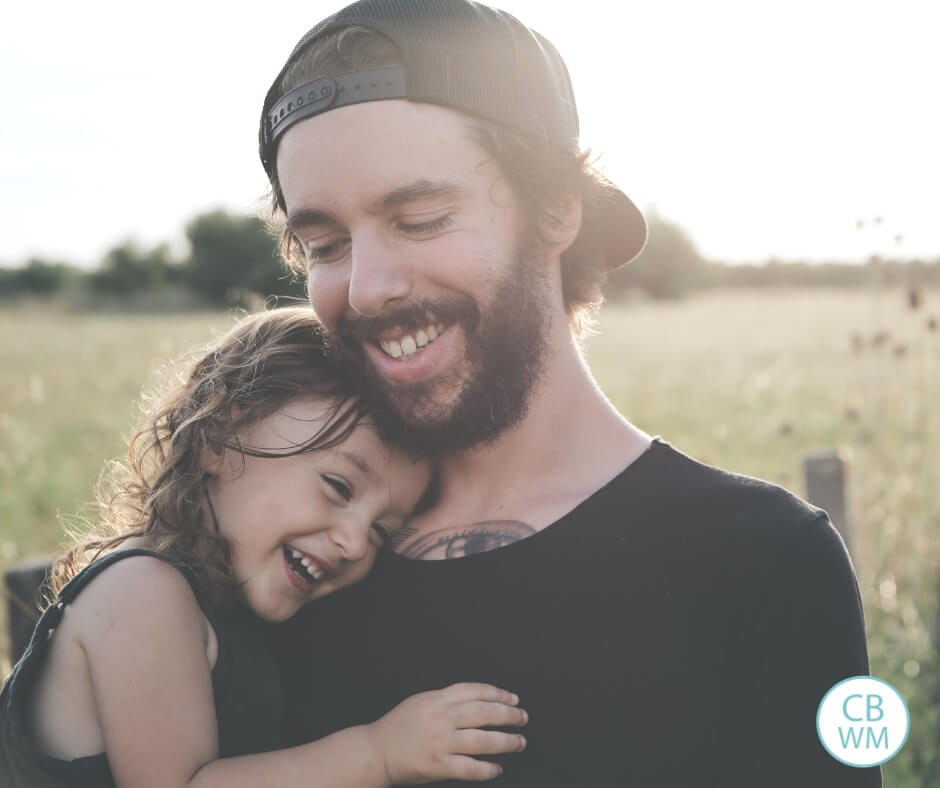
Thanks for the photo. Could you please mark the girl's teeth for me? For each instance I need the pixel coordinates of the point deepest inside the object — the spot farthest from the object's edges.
(312, 571)
(432, 333)
(421, 338)
(394, 349)
(408, 345)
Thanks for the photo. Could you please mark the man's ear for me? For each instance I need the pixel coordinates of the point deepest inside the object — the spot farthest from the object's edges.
(561, 223)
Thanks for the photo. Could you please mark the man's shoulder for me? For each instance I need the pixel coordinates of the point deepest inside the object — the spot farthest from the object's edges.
(689, 497)
(699, 526)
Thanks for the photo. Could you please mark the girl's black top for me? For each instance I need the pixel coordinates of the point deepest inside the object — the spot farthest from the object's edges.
(247, 693)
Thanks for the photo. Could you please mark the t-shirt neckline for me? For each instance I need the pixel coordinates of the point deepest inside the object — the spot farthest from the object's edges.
(549, 531)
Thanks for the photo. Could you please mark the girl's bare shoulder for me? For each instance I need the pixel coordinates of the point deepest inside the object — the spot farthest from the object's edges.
(139, 601)
(140, 586)
(139, 610)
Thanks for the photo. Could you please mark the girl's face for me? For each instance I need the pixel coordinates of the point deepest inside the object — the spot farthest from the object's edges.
(305, 525)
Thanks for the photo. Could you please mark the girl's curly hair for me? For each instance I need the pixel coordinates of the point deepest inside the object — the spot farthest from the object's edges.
(265, 361)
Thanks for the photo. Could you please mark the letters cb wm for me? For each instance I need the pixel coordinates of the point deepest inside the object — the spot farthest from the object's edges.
(863, 721)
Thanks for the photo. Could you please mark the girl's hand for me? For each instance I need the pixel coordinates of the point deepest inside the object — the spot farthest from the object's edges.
(430, 736)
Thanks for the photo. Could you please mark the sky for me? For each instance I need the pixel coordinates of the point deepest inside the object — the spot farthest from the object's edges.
(764, 129)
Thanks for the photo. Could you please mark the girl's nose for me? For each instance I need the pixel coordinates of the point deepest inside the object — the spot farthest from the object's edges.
(352, 538)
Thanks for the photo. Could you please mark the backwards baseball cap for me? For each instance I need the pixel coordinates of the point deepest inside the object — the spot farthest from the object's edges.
(472, 58)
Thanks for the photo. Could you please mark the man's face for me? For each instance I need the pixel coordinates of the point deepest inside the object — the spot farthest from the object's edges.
(420, 266)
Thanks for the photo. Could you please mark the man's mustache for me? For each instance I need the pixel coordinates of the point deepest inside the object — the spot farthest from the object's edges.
(354, 329)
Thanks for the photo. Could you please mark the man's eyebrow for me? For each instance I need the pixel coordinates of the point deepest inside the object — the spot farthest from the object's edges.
(308, 217)
(359, 462)
(423, 189)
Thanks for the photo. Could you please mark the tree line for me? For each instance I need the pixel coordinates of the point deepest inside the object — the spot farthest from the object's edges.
(233, 261)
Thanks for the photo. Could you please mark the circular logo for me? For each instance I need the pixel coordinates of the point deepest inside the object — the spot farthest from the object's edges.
(863, 721)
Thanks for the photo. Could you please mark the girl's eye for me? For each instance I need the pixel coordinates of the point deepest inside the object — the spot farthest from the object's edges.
(343, 489)
(432, 226)
(382, 532)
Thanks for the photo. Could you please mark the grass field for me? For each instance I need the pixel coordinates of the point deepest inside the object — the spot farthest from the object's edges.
(752, 381)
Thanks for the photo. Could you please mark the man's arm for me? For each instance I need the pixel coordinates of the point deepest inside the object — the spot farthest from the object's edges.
(808, 633)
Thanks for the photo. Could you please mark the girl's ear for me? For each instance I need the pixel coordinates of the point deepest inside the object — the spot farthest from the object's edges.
(213, 456)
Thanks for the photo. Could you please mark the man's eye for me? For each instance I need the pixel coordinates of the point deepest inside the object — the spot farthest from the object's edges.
(325, 253)
(427, 227)
(343, 489)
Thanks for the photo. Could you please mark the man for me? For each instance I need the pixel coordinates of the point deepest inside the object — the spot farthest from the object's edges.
(664, 622)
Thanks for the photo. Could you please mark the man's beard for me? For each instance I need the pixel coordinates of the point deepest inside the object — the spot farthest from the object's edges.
(505, 353)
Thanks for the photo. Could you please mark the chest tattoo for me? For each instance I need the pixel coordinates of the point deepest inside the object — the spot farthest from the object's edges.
(463, 540)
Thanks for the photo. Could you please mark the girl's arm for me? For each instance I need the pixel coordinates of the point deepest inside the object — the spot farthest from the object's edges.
(146, 641)
(427, 737)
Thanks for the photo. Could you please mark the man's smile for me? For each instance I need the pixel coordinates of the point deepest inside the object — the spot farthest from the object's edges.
(413, 343)
(403, 357)
(404, 345)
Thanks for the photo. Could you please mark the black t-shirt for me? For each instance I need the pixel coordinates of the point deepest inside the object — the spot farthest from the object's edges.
(678, 628)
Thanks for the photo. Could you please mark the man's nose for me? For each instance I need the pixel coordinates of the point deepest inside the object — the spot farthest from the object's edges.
(379, 279)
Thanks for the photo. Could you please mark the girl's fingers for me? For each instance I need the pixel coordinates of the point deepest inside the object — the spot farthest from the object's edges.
(478, 714)
(461, 767)
(476, 742)
(467, 691)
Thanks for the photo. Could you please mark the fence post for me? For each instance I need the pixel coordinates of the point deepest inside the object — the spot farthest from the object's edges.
(23, 583)
(825, 488)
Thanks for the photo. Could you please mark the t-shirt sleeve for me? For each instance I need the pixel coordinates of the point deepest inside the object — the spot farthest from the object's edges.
(805, 634)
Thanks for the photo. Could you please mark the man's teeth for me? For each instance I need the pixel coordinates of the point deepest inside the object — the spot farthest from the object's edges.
(315, 573)
(408, 345)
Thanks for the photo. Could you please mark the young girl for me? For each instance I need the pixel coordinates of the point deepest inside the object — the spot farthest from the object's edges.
(259, 481)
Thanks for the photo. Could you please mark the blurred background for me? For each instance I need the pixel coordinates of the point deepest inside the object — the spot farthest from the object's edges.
(787, 302)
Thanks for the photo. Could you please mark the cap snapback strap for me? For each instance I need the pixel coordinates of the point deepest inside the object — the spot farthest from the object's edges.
(315, 97)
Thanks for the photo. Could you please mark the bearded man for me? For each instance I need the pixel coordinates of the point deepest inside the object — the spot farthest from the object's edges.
(664, 622)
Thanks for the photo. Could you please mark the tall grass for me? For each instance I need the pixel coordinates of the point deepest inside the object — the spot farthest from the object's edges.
(751, 381)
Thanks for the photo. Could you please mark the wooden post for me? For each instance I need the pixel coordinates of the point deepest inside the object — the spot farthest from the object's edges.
(825, 488)
(23, 583)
